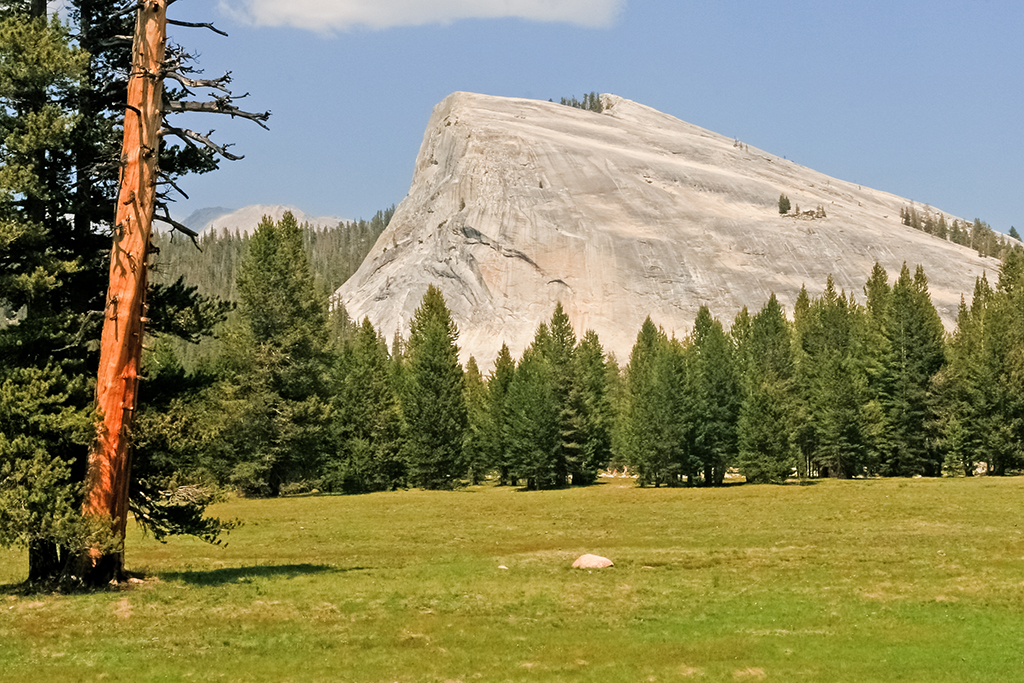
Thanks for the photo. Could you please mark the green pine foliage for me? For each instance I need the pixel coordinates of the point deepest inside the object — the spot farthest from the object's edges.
(981, 412)
(433, 397)
(715, 396)
(784, 204)
(366, 419)
(766, 452)
(838, 421)
(476, 447)
(591, 102)
(635, 437)
(914, 354)
(531, 432)
(558, 348)
(591, 396)
(275, 395)
(498, 386)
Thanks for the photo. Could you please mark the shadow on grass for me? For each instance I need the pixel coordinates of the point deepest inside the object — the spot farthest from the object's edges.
(219, 577)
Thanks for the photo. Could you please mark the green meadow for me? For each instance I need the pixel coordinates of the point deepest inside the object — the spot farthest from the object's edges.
(870, 580)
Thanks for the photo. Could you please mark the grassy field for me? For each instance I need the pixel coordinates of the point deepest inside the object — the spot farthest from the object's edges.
(878, 580)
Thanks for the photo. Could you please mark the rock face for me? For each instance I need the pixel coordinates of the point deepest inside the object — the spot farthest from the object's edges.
(516, 204)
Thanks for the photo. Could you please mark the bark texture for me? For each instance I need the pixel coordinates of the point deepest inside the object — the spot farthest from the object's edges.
(121, 343)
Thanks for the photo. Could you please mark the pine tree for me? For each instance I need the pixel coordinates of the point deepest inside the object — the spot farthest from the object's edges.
(591, 396)
(784, 204)
(838, 423)
(498, 386)
(367, 419)
(766, 453)
(531, 434)
(634, 436)
(915, 353)
(716, 398)
(433, 400)
(277, 362)
(476, 453)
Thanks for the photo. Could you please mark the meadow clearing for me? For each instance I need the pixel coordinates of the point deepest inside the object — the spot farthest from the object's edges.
(869, 580)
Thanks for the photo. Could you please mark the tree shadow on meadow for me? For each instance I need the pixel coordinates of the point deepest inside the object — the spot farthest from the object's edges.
(226, 575)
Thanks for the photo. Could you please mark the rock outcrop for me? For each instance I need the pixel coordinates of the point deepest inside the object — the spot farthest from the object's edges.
(516, 204)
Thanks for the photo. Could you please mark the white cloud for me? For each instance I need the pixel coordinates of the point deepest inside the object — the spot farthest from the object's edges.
(331, 15)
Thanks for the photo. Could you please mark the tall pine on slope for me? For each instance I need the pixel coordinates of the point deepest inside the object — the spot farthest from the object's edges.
(766, 453)
(277, 366)
(433, 400)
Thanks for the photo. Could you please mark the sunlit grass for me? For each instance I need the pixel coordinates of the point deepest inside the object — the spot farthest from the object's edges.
(878, 580)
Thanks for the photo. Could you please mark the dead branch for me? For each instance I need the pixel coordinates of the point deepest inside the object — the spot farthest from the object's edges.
(167, 180)
(189, 24)
(188, 136)
(213, 83)
(219, 105)
(180, 227)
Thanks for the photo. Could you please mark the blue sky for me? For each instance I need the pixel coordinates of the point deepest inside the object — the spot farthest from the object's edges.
(924, 99)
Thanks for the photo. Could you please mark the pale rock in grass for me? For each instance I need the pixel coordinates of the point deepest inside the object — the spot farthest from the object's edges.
(589, 561)
(516, 204)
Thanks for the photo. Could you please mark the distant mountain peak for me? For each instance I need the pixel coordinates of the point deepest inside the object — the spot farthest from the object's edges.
(246, 219)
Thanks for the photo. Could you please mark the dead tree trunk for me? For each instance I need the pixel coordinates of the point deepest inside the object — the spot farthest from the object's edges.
(106, 495)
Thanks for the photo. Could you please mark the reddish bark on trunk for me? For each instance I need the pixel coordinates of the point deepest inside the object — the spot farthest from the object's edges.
(109, 470)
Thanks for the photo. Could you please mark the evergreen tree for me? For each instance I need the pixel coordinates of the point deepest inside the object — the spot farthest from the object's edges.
(476, 452)
(498, 386)
(838, 421)
(558, 348)
(590, 395)
(766, 453)
(784, 204)
(367, 419)
(277, 362)
(634, 436)
(433, 400)
(716, 398)
(915, 353)
(532, 439)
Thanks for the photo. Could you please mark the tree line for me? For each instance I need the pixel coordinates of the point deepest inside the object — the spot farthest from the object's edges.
(977, 235)
(303, 399)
